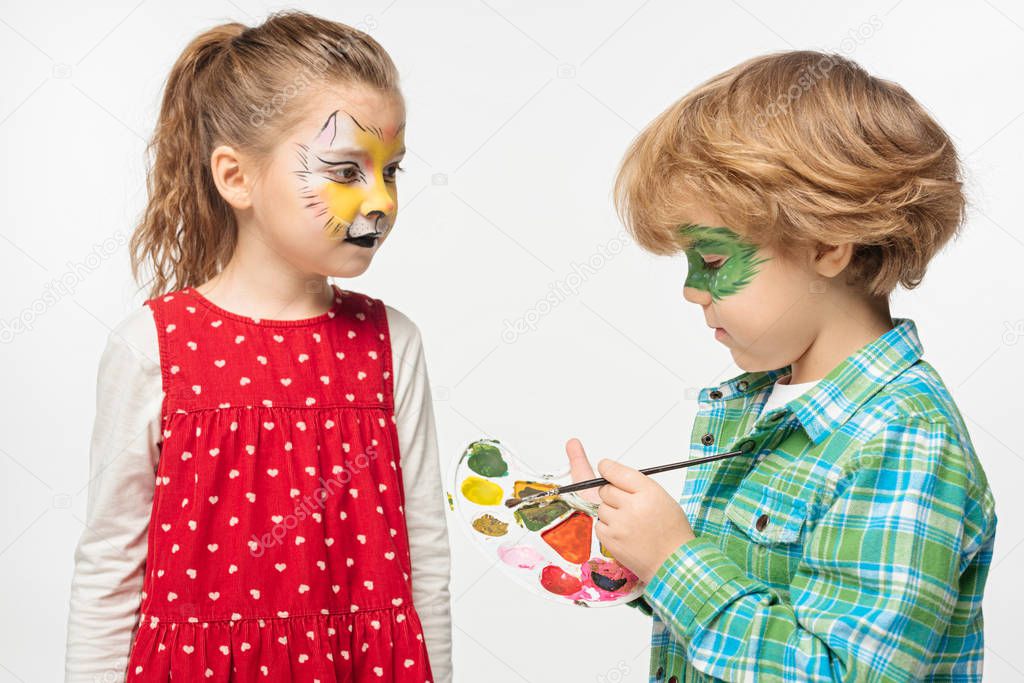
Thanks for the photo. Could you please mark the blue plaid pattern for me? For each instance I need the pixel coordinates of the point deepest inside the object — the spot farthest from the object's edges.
(852, 543)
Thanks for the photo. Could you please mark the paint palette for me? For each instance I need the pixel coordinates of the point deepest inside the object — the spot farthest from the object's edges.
(550, 546)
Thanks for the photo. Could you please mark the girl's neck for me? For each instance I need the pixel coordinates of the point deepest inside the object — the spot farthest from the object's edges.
(268, 292)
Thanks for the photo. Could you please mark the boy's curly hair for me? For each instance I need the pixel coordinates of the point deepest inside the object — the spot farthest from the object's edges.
(800, 149)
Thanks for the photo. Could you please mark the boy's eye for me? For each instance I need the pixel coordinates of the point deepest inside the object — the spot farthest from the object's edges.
(391, 172)
(714, 263)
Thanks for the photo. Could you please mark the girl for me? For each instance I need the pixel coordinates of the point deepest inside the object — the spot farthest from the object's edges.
(295, 527)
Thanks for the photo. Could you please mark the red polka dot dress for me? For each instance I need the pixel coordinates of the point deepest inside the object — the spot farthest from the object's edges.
(277, 548)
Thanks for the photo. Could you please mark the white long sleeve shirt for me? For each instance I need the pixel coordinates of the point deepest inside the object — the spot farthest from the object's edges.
(111, 553)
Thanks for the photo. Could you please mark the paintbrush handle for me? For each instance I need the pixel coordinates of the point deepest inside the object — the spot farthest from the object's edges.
(601, 481)
(689, 463)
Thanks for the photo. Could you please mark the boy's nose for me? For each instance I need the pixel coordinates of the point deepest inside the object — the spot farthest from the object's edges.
(697, 296)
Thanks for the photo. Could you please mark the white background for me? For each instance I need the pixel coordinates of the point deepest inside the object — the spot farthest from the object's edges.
(518, 115)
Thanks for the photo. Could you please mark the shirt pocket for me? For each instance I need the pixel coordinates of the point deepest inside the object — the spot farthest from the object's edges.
(766, 530)
(767, 516)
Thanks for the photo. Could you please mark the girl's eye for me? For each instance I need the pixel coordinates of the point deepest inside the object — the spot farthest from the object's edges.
(346, 174)
(391, 172)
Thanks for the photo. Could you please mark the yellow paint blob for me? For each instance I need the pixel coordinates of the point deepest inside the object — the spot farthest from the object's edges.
(481, 491)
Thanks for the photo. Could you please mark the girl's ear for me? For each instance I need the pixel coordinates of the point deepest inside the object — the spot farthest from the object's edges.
(830, 261)
(230, 176)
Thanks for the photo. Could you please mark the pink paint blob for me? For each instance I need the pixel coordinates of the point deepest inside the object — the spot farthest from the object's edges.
(521, 556)
(611, 572)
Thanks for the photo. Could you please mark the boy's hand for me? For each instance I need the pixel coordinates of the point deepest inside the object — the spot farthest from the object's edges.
(638, 522)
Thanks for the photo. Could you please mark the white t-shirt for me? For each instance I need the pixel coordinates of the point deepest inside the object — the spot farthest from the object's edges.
(111, 553)
(783, 393)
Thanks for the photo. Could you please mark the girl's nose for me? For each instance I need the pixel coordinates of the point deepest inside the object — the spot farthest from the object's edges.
(378, 199)
(697, 296)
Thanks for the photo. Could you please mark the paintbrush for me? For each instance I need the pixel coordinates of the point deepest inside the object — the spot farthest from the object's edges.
(600, 481)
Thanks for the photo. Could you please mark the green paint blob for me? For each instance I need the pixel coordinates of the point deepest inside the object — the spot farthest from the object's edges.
(485, 459)
(536, 517)
(481, 491)
(733, 274)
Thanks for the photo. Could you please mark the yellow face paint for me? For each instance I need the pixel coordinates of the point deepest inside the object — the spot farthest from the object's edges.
(350, 178)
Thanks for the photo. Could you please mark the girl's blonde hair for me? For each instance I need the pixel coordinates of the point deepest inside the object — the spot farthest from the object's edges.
(800, 149)
(243, 87)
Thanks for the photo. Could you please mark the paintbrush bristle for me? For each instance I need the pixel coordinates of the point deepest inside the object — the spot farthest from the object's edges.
(532, 498)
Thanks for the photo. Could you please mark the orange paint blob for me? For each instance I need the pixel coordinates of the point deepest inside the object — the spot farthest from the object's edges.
(572, 538)
(521, 489)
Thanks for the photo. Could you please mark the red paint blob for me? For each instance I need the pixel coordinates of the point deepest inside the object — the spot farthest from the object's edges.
(558, 582)
(572, 538)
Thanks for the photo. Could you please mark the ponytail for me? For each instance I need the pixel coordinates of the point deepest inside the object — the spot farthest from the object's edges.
(188, 230)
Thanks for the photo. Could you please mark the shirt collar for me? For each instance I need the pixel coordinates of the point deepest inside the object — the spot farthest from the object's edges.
(828, 405)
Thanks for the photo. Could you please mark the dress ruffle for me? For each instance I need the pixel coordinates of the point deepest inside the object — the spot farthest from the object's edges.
(372, 645)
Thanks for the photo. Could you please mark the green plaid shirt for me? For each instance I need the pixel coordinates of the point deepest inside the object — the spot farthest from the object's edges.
(852, 543)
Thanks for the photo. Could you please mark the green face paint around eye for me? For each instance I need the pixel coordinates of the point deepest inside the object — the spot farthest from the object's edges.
(735, 272)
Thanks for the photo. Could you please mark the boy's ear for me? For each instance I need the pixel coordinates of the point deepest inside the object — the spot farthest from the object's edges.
(230, 176)
(830, 260)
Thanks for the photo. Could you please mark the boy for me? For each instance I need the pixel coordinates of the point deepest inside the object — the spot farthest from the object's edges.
(853, 539)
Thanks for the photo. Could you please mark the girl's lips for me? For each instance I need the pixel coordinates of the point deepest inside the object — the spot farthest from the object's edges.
(367, 241)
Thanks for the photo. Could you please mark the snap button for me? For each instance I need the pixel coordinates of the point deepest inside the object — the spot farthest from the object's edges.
(659, 673)
(742, 385)
(747, 445)
(715, 394)
(761, 522)
(674, 679)
(707, 439)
